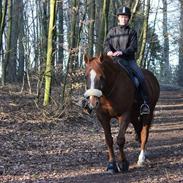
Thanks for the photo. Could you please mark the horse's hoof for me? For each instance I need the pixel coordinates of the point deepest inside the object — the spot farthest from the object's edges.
(124, 166)
(142, 158)
(112, 167)
(140, 163)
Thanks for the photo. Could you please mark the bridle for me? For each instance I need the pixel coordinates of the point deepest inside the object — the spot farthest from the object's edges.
(93, 92)
(98, 93)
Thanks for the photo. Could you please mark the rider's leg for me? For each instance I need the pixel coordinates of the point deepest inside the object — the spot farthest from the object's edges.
(144, 109)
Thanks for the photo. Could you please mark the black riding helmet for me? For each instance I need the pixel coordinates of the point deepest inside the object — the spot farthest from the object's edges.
(124, 11)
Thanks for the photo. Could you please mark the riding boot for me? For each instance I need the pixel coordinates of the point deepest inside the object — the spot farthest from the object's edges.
(144, 108)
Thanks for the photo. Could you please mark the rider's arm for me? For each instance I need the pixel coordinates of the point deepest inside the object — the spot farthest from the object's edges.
(107, 43)
(132, 48)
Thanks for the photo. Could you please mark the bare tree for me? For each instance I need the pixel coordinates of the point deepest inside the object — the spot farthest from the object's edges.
(48, 71)
(21, 49)
(180, 69)
(103, 25)
(144, 35)
(166, 67)
(8, 47)
(91, 16)
(3, 10)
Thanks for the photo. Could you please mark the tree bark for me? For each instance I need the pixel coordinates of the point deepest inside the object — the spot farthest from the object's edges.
(12, 61)
(180, 68)
(104, 25)
(60, 34)
(91, 16)
(48, 72)
(21, 41)
(142, 47)
(3, 15)
(166, 67)
(8, 47)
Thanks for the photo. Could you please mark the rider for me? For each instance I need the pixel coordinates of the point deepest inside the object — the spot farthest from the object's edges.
(121, 44)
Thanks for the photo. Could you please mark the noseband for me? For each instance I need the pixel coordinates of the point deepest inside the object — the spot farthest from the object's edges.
(93, 92)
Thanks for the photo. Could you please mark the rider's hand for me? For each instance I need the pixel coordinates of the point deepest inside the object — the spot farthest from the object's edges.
(117, 53)
(110, 53)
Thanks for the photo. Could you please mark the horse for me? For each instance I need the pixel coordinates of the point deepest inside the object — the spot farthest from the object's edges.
(112, 94)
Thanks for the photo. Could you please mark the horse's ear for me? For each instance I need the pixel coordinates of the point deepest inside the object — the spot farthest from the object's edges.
(101, 57)
(86, 58)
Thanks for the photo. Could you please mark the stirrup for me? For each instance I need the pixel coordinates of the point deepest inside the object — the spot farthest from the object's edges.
(144, 109)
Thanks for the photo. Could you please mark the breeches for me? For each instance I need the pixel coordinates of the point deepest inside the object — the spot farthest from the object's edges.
(137, 71)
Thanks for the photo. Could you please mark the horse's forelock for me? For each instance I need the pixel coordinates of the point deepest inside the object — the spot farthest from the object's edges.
(96, 65)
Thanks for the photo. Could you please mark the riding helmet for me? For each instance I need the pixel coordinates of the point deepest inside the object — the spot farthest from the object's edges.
(124, 11)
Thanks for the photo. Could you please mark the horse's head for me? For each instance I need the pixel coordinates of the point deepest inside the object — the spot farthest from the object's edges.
(95, 80)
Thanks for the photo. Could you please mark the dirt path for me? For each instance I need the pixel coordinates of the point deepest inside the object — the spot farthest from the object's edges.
(73, 149)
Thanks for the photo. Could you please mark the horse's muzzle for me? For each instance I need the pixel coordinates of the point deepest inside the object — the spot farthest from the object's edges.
(93, 102)
(93, 96)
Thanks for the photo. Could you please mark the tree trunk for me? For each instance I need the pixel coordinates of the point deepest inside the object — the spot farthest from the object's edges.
(166, 67)
(43, 30)
(144, 36)
(134, 9)
(60, 34)
(72, 39)
(12, 62)
(91, 16)
(8, 47)
(104, 25)
(48, 72)
(21, 41)
(3, 15)
(180, 68)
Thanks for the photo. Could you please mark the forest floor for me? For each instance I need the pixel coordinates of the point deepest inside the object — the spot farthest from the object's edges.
(34, 148)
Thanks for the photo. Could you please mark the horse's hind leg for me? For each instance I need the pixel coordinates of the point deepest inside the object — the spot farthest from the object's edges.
(144, 137)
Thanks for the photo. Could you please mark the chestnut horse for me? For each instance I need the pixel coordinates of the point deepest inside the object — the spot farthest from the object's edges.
(111, 92)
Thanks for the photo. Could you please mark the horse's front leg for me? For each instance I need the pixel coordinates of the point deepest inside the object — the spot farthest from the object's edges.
(105, 122)
(123, 163)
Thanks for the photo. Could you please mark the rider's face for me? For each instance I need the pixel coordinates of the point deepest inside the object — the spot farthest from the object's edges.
(123, 19)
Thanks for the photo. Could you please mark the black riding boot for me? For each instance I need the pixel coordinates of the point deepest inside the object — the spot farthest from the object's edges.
(144, 108)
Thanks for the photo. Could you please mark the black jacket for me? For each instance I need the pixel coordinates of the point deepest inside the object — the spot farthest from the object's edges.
(122, 38)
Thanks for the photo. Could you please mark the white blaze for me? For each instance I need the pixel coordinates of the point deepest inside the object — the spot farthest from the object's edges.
(92, 78)
(92, 91)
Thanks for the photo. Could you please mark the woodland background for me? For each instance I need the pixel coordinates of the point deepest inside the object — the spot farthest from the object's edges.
(44, 135)
(42, 42)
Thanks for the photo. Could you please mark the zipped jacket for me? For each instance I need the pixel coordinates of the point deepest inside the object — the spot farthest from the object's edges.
(122, 38)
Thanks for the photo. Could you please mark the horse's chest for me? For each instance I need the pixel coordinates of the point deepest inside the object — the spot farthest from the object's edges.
(107, 107)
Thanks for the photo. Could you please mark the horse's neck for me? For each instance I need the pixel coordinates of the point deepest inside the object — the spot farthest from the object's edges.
(114, 76)
(111, 70)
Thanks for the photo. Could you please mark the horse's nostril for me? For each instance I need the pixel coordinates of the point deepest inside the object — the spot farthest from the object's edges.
(97, 103)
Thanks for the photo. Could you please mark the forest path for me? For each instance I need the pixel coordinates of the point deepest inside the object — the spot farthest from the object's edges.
(74, 150)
